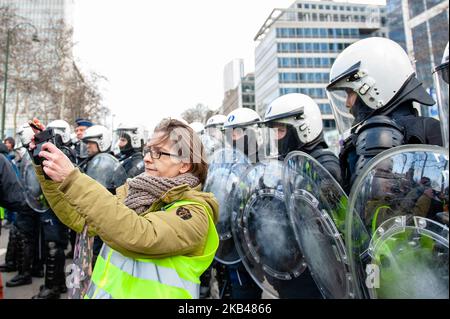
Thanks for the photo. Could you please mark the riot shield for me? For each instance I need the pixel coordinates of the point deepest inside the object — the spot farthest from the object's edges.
(33, 193)
(211, 145)
(316, 206)
(397, 225)
(225, 169)
(106, 170)
(262, 230)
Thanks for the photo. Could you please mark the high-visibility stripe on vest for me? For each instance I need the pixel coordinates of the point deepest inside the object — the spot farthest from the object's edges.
(2, 213)
(178, 277)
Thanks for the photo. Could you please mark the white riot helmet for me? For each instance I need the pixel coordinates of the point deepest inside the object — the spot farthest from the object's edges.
(298, 110)
(379, 71)
(62, 128)
(242, 117)
(441, 82)
(214, 127)
(197, 127)
(100, 135)
(24, 135)
(216, 121)
(242, 131)
(133, 134)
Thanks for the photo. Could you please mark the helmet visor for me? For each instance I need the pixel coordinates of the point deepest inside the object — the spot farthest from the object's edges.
(441, 81)
(344, 119)
(215, 132)
(83, 153)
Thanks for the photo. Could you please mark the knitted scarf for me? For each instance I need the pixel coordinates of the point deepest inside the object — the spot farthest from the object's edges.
(144, 190)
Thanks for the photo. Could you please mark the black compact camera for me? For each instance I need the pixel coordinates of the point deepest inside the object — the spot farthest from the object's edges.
(48, 135)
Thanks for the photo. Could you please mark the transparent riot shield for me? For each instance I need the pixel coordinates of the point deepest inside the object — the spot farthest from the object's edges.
(316, 206)
(226, 166)
(33, 193)
(211, 144)
(106, 170)
(397, 225)
(262, 230)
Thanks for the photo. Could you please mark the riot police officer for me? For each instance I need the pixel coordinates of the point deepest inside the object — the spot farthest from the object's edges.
(29, 261)
(372, 89)
(292, 122)
(298, 126)
(213, 137)
(242, 132)
(398, 248)
(131, 142)
(55, 233)
(81, 125)
(243, 135)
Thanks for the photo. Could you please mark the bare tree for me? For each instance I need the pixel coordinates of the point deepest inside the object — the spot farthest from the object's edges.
(200, 113)
(43, 79)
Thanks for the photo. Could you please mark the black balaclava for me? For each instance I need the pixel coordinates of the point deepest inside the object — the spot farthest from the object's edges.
(360, 111)
(243, 145)
(290, 142)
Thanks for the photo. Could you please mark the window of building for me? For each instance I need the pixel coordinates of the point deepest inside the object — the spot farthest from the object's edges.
(329, 124)
(306, 6)
(325, 108)
(307, 32)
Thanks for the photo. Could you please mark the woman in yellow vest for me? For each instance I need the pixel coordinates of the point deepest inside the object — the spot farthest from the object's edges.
(158, 231)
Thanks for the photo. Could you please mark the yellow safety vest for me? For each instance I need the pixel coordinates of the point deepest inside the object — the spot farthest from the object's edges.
(116, 276)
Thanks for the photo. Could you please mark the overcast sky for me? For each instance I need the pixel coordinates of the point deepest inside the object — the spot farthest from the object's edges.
(161, 57)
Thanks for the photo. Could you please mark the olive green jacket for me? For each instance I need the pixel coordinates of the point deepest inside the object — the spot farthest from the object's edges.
(80, 200)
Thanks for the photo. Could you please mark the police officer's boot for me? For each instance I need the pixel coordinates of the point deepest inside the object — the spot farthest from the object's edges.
(38, 259)
(11, 252)
(50, 290)
(24, 261)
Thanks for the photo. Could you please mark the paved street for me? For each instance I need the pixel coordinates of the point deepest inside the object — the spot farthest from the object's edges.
(23, 292)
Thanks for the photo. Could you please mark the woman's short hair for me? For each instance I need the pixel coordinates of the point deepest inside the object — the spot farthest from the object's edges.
(187, 144)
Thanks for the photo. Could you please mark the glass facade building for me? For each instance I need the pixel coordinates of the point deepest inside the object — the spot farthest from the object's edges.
(424, 35)
(297, 46)
(42, 12)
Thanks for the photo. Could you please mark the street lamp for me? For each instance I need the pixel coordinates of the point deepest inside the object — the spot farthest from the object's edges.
(8, 39)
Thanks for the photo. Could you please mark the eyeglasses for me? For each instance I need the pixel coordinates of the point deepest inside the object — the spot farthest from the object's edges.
(155, 154)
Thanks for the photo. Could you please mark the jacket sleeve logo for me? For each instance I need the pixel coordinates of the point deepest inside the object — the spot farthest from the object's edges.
(184, 213)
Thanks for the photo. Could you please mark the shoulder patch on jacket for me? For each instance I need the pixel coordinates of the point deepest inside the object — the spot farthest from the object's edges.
(184, 213)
